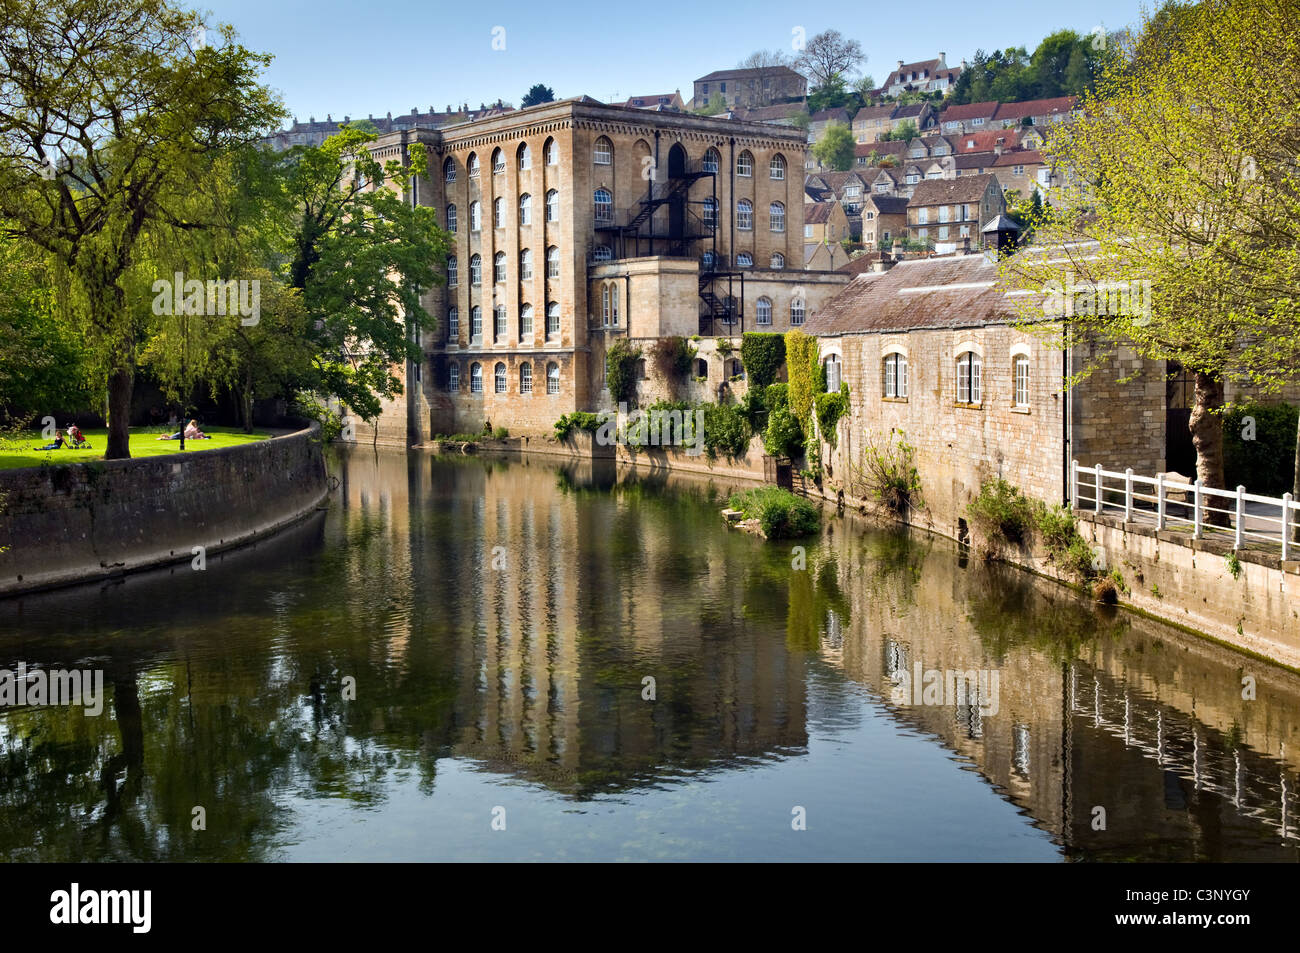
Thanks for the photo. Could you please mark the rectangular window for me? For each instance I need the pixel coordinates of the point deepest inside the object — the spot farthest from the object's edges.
(526, 379)
(943, 213)
(943, 231)
(1022, 382)
(808, 233)
(922, 216)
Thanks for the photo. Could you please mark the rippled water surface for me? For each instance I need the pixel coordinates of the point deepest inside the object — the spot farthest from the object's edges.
(454, 662)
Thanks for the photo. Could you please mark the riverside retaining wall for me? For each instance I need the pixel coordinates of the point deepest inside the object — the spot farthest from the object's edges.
(81, 522)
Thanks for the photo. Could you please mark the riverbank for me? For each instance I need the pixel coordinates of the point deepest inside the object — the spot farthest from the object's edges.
(82, 522)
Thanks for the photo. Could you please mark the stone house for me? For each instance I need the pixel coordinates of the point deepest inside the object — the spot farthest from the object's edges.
(973, 163)
(969, 117)
(1039, 113)
(872, 122)
(750, 87)
(991, 140)
(870, 153)
(1024, 170)
(884, 219)
(823, 118)
(948, 212)
(672, 101)
(927, 76)
(824, 256)
(825, 222)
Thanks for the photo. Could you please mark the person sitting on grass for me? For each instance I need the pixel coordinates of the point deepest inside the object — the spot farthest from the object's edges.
(58, 442)
(192, 432)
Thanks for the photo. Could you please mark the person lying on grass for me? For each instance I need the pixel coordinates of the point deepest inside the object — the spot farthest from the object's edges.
(192, 432)
(58, 442)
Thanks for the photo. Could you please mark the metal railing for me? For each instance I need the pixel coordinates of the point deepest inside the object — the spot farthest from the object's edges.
(1248, 518)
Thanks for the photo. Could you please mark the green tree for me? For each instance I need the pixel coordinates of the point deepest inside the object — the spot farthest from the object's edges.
(717, 104)
(829, 95)
(905, 131)
(835, 147)
(111, 110)
(536, 95)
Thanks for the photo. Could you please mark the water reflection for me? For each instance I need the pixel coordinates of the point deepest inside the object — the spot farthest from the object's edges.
(455, 629)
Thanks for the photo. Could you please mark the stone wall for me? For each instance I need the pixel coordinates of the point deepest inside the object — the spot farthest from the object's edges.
(87, 521)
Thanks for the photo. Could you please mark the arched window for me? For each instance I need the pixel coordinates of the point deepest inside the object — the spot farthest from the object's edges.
(895, 375)
(525, 321)
(552, 206)
(476, 378)
(604, 304)
(552, 319)
(449, 169)
(832, 365)
(498, 162)
(475, 216)
(526, 264)
(499, 268)
(499, 323)
(525, 156)
(710, 161)
(451, 218)
(525, 378)
(778, 261)
(745, 164)
(969, 365)
(603, 153)
(745, 215)
(604, 207)
(796, 312)
(776, 217)
(452, 269)
(602, 253)
(499, 378)
(453, 377)
(476, 325)
(776, 168)
(745, 260)
(710, 213)
(472, 165)
(499, 213)
(552, 262)
(616, 297)
(552, 378)
(707, 261)
(1020, 375)
(453, 324)
(475, 270)
(763, 310)
(525, 209)
(551, 151)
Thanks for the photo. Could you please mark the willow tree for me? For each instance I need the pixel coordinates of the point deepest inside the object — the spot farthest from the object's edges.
(1183, 173)
(109, 112)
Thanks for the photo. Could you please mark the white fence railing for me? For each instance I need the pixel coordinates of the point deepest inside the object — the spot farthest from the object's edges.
(1246, 517)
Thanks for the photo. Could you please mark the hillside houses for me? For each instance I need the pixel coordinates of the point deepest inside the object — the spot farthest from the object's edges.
(927, 76)
(978, 117)
(949, 213)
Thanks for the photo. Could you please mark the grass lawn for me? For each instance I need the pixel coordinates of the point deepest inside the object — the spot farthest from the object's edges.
(23, 453)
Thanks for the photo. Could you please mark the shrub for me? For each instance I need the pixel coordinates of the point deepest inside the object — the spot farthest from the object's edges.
(780, 513)
(500, 433)
(830, 408)
(1265, 464)
(620, 370)
(1065, 547)
(782, 438)
(776, 395)
(1002, 512)
(889, 476)
(762, 353)
(726, 430)
(801, 352)
(672, 358)
(578, 420)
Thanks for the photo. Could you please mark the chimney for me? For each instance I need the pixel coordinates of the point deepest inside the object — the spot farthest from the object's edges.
(372, 117)
(942, 54)
(329, 118)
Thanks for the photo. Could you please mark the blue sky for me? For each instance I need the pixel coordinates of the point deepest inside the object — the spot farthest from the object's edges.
(345, 57)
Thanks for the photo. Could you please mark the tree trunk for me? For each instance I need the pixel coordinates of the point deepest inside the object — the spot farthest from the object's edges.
(1207, 436)
(121, 382)
(246, 401)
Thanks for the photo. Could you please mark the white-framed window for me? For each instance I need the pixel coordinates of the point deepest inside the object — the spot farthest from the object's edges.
(602, 253)
(499, 378)
(710, 161)
(453, 377)
(451, 218)
(943, 213)
(499, 213)
(776, 217)
(551, 151)
(604, 203)
(499, 268)
(615, 299)
(895, 375)
(1020, 170)
(476, 378)
(710, 213)
(943, 231)
(475, 216)
(745, 164)
(553, 262)
(776, 168)
(1020, 368)
(796, 312)
(552, 378)
(745, 260)
(453, 324)
(525, 378)
(706, 261)
(832, 364)
(922, 216)
(449, 170)
(526, 264)
(969, 365)
(603, 152)
(882, 187)
(498, 162)
(525, 209)
(525, 156)
(552, 206)
(452, 269)
(977, 122)
(604, 305)
(913, 178)
(525, 321)
(807, 231)
(745, 215)
(778, 261)
(472, 165)
(476, 325)
(499, 323)
(475, 270)
(552, 319)
(763, 311)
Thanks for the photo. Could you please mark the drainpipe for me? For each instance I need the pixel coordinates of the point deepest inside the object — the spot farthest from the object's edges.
(1065, 418)
(731, 217)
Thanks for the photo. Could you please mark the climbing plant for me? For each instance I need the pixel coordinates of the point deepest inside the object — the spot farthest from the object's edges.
(801, 352)
(762, 353)
(620, 370)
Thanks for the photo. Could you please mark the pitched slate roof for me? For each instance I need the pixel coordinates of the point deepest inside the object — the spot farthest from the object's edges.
(878, 112)
(838, 114)
(1022, 157)
(977, 160)
(887, 148)
(818, 213)
(913, 111)
(984, 110)
(783, 71)
(1060, 105)
(967, 188)
(889, 205)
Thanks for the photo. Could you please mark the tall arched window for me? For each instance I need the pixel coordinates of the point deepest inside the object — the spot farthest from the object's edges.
(552, 319)
(476, 378)
(551, 151)
(778, 261)
(710, 161)
(453, 324)
(745, 163)
(453, 377)
(710, 212)
(604, 207)
(895, 375)
(499, 330)
(472, 165)
(525, 378)
(499, 378)
(776, 168)
(776, 217)
(552, 262)
(475, 270)
(476, 325)
(552, 378)
(604, 305)
(603, 153)
(452, 270)
(552, 206)
(525, 209)
(525, 156)
(763, 309)
(498, 162)
(969, 365)
(451, 218)
(525, 264)
(745, 260)
(499, 213)
(475, 216)
(796, 312)
(745, 215)
(602, 253)
(499, 268)
(449, 169)
(525, 322)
